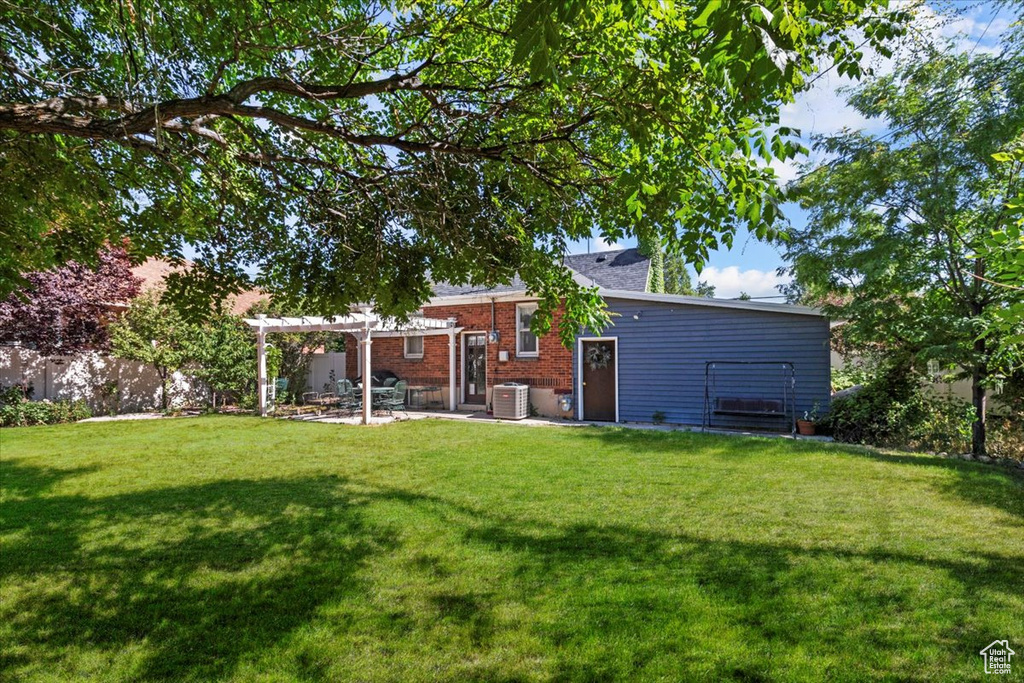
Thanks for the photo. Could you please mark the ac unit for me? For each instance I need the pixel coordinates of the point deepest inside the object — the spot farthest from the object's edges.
(510, 401)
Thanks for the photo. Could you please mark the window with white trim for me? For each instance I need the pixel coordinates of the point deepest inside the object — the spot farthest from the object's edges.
(414, 346)
(526, 341)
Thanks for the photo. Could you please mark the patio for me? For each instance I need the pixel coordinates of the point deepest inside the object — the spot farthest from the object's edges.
(364, 325)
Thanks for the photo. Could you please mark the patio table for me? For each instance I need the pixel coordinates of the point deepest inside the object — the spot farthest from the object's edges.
(378, 394)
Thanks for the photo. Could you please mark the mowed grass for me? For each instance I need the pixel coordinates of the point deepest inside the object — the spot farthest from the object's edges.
(228, 548)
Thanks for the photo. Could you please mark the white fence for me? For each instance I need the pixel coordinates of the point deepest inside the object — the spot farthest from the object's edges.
(105, 383)
(320, 377)
(108, 383)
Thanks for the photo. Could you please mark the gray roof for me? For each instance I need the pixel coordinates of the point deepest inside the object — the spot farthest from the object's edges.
(623, 270)
(448, 289)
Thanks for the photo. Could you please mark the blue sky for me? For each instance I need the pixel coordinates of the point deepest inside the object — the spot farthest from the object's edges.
(750, 265)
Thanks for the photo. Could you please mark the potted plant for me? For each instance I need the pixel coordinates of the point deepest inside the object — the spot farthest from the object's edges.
(805, 426)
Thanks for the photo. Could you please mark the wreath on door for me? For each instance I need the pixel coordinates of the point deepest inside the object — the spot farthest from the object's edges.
(599, 356)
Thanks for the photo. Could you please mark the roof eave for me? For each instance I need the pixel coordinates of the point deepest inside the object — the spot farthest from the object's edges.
(713, 303)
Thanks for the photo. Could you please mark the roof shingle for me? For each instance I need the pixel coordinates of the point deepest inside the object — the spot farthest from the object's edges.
(622, 270)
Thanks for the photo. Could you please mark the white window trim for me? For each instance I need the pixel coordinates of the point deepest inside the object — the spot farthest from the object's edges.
(405, 347)
(519, 329)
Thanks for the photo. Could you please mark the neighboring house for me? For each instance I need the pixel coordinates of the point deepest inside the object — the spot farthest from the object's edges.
(651, 363)
(154, 271)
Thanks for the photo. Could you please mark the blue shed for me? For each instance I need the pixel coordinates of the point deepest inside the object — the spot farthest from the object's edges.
(692, 361)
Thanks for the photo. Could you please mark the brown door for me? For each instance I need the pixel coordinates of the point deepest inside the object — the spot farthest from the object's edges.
(599, 380)
(475, 368)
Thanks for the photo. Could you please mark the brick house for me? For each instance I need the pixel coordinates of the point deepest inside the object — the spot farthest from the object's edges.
(495, 344)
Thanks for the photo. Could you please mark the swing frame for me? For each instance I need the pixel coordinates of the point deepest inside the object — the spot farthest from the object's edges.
(754, 407)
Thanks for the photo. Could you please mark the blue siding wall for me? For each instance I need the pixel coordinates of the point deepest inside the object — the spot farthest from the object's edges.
(662, 358)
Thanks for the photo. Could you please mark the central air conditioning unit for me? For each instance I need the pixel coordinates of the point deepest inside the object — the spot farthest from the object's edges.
(511, 401)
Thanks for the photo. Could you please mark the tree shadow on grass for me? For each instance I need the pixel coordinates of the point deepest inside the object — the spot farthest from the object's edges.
(782, 598)
(205, 577)
(202, 576)
(26, 482)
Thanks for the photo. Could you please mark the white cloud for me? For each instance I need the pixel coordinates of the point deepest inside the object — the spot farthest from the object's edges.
(730, 282)
(823, 110)
(599, 244)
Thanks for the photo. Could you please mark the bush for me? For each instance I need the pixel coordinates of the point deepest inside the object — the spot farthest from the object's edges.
(883, 413)
(1006, 422)
(946, 426)
(28, 413)
(893, 411)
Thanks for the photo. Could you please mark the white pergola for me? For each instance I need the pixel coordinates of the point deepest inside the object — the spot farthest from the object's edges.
(363, 325)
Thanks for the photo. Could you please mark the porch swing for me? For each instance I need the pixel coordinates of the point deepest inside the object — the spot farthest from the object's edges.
(750, 394)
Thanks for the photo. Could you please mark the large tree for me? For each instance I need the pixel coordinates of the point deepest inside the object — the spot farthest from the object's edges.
(348, 150)
(65, 310)
(899, 221)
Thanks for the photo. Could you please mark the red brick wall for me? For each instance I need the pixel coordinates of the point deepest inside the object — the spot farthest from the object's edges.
(551, 369)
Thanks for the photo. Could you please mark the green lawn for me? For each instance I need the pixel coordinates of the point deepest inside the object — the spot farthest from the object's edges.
(240, 549)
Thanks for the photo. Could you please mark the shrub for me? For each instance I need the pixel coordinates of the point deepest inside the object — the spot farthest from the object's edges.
(883, 413)
(1006, 421)
(851, 375)
(893, 411)
(946, 425)
(28, 413)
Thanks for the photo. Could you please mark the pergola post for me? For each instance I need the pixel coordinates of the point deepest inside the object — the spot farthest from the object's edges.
(451, 369)
(261, 373)
(367, 379)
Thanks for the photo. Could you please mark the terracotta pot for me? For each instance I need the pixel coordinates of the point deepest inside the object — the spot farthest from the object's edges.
(805, 427)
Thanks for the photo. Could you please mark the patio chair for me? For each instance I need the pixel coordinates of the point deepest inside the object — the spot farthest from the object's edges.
(327, 399)
(308, 401)
(280, 386)
(347, 396)
(390, 382)
(397, 399)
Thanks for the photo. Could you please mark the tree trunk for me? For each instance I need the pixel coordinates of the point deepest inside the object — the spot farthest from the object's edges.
(979, 397)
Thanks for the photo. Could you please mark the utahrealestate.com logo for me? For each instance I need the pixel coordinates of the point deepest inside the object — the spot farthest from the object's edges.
(997, 657)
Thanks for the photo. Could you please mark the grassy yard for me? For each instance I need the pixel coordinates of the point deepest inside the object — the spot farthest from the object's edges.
(237, 549)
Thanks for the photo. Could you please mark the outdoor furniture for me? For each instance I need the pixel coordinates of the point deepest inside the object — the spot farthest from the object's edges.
(280, 385)
(326, 399)
(347, 399)
(377, 394)
(397, 399)
(425, 398)
(763, 407)
(390, 381)
(317, 401)
(380, 396)
(434, 400)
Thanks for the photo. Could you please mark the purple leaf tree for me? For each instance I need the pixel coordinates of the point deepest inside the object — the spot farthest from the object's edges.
(65, 310)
